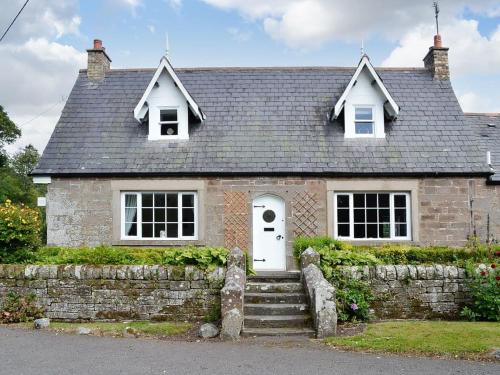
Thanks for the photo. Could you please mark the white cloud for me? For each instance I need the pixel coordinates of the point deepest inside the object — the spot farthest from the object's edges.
(470, 52)
(37, 71)
(305, 24)
(174, 4)
(474, 102)
(239, 35)
(152, 29)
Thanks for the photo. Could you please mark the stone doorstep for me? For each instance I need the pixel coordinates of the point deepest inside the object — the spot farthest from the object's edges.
(250, 332)
(285, 287)
(275, 298)
(277, 321)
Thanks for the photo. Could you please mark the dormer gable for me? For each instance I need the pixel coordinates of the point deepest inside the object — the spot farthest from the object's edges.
(165, 105)
(365, 102)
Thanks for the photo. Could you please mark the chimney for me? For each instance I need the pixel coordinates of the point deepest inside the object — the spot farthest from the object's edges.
(436, 60)
(98, 62)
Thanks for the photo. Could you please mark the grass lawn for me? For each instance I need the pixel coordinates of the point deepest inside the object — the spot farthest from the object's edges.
(142, 328)
(459, 339)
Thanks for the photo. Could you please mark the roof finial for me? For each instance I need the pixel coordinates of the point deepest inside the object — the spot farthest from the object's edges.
(436, 12)
(167, 46)
(362, 47)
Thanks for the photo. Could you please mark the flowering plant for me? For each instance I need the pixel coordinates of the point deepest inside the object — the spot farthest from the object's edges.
(485, 291)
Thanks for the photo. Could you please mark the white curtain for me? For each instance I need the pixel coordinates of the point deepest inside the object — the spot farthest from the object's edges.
(130, 211)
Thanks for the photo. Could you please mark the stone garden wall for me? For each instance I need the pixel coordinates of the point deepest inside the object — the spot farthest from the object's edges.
(420, 292)
(117, 292)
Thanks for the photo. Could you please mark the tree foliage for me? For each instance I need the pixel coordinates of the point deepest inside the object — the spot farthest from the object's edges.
(9, 132)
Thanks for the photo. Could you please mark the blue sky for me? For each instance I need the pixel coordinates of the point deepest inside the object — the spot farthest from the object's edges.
(46, 47)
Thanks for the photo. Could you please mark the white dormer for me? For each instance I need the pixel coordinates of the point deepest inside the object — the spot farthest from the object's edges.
(365, 102)
(166, 104)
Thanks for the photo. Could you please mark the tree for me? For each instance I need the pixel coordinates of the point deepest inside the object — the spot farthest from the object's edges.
(9, 132)
(24, 161)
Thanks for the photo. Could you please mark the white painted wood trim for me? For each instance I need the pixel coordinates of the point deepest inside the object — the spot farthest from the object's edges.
(365, 61)
(42, 180)
(165, 64)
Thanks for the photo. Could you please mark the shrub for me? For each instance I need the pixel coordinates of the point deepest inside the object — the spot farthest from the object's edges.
(353, 300)
(202, 257)
(20, 229)
(302, 243)
(485, 290)
(17, 308)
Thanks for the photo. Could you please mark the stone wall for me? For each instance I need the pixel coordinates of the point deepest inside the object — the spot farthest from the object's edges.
(420, 292)
(117, 292)
(80, 210)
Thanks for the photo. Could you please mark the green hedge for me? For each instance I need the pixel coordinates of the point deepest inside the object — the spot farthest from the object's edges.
(336, 252)
(202, 257)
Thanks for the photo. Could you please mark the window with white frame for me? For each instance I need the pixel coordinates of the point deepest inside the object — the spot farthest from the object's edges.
(169, 123)
(372, 216)
(159, 215)
(363, 121)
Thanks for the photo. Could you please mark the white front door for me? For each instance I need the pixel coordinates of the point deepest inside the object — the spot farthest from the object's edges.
(269, 234)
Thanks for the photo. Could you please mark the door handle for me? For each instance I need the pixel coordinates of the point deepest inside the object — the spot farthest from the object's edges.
(259, 260)
(279, 237)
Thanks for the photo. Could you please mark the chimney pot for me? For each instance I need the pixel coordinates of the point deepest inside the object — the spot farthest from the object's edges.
(98, 62)
(97, 44)
(438, 42)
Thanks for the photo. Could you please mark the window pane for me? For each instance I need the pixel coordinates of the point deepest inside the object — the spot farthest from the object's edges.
(171, 200)
(187, 200)
(401, 230)
(384, 216)
(130, 200)
(359, 230)
(159, 215)
(400, 215)
(131, 229)
(188, 215)
(400, 201)
(147, 230)
(168, 115)
(343, 201)
(371, 200)
(343, 215)
(147, 215)
(359, 215)
(147, 200)
(371, 215)
(363, 113)
(160, 231)
(359, 200)
(169, 129)
(172, 215)
(131, 215)
(371, 231)
(364, 127)
(159, 200)
(383, 200)
(343, 230)
(172, 230)
(384, 230)
(188, 229)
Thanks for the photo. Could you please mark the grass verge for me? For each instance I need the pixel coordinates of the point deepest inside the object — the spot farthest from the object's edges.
(141, 328)
(471, 340)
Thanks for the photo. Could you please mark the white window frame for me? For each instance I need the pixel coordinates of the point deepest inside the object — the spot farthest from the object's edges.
(138, 194)
(372, 121)
(392, 237)
(160, 123)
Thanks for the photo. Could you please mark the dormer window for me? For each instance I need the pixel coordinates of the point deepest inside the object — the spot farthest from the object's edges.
(363, 121)
(169, 123)
(365, 102)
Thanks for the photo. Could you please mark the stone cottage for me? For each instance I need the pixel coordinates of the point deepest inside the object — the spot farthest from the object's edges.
(253, 157)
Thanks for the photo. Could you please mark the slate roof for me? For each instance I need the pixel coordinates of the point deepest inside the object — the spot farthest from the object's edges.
(262, 121)
(487, 127)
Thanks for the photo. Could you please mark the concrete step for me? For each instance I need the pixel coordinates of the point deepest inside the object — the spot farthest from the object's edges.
(275, 277)
(257, 287)
(277, 321)
(275, 309)
(250, 332)
(275, 298)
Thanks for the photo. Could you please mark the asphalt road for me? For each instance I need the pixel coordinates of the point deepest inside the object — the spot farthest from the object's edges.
(33, 352)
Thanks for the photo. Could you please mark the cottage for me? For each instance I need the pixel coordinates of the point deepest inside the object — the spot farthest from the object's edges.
(253, 157)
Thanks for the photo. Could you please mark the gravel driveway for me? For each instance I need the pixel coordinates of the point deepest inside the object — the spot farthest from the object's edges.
(32, 352)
